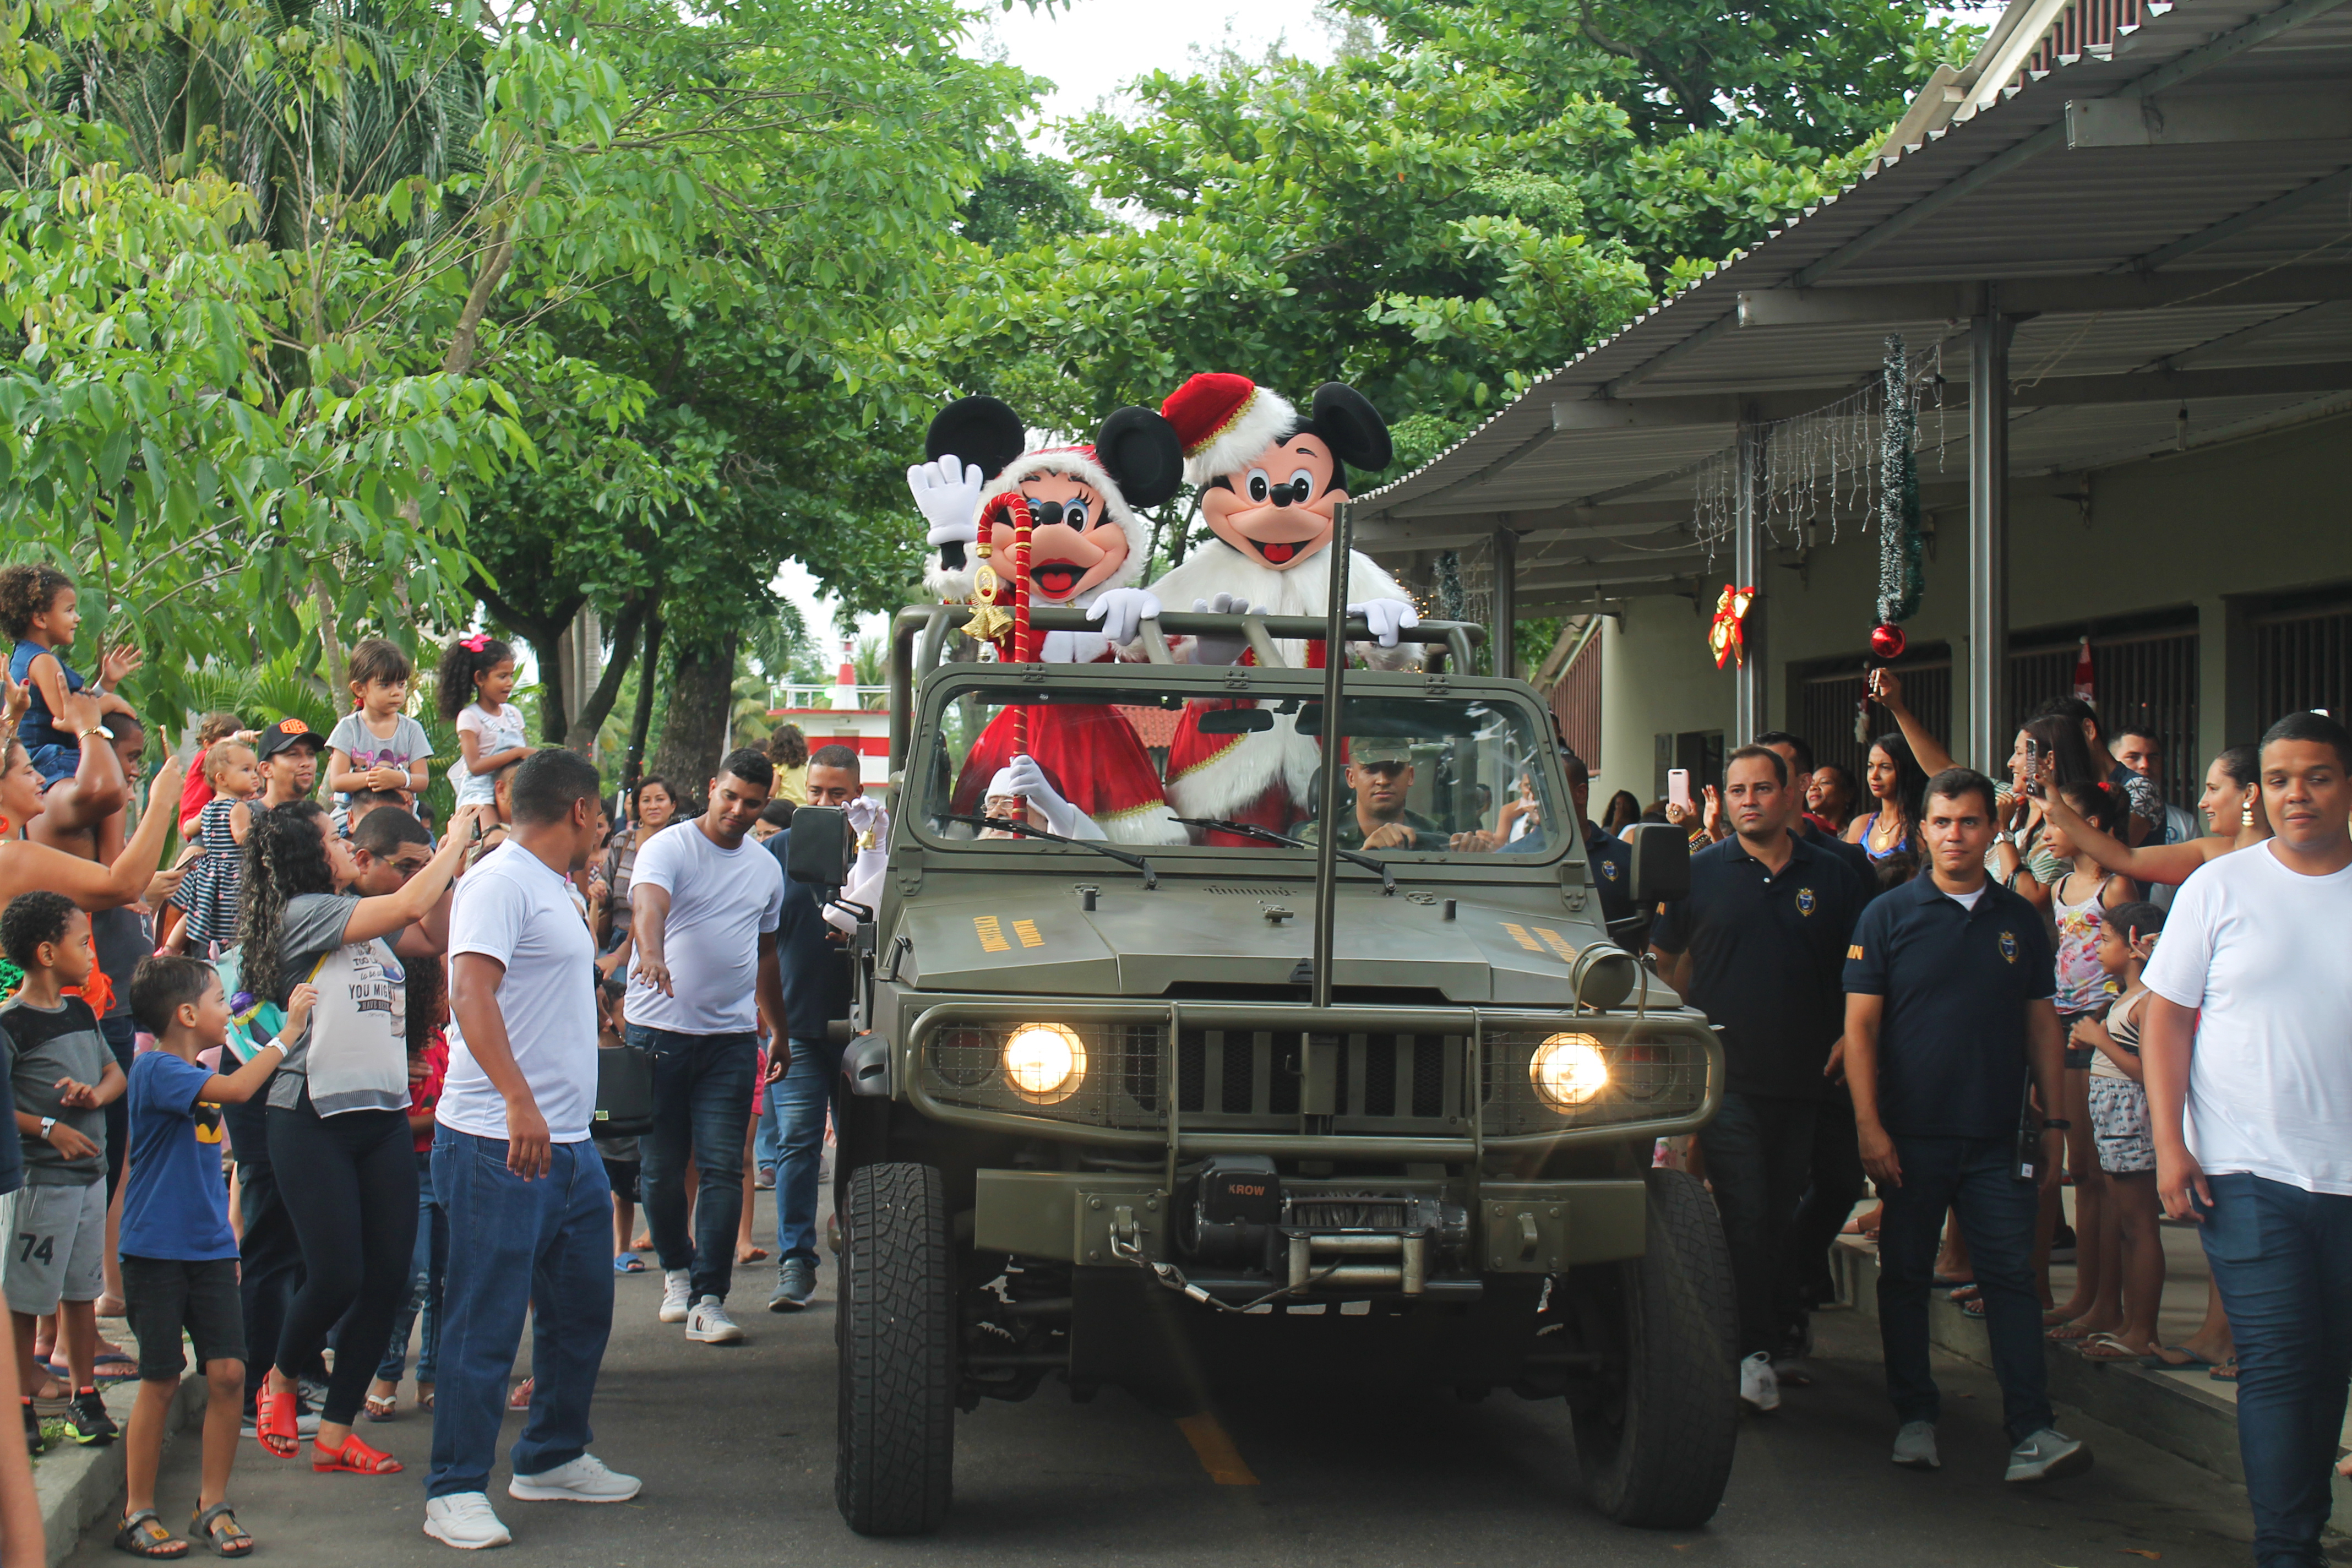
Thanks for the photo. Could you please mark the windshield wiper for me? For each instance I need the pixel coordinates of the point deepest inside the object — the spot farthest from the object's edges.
(1268, 836)
(1151, 876)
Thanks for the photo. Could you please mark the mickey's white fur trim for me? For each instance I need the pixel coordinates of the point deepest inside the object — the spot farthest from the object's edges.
(1268, 419)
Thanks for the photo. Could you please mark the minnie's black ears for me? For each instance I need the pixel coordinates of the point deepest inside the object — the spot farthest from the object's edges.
(1347, 419)
(983, 432)
(1142, 454)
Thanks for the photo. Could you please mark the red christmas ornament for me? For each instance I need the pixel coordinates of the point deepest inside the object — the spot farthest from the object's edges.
(1886, 642)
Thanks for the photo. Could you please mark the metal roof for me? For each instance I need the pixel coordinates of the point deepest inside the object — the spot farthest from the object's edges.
(2168, 215)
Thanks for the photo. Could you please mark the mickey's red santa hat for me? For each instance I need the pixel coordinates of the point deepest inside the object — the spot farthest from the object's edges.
(1224, 420)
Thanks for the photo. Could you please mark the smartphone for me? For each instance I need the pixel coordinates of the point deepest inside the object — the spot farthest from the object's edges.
(1678, 787)
(2033, 767)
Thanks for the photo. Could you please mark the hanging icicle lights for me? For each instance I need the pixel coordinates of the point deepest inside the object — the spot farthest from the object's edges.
(1828, 460)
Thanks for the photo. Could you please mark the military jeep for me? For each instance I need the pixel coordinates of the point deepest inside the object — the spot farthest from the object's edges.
(1099, 1124)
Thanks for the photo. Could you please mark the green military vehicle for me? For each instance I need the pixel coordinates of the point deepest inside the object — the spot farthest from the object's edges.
(1095, 1102)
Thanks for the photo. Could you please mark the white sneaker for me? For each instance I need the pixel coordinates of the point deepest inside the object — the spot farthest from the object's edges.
(585, 1479)
(464, 1520)
(709, 1323)
(676, 1284)
(1760, 1386)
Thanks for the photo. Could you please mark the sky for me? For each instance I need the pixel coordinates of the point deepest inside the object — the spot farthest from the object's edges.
(1088, 48)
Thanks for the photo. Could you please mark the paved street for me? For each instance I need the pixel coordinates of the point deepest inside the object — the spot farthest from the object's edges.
(735, 1446)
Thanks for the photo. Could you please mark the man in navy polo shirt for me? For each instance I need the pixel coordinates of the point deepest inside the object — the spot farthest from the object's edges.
(1757, 944)
(1948, 1014)
(1836, 1161)
(1610, 856)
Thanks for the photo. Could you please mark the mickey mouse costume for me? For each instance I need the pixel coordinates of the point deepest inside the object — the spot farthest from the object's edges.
(1270, 480)
(1085, 545)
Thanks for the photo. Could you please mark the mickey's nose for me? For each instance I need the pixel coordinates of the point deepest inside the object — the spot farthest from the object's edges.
(1045, 514)
(1283, 495)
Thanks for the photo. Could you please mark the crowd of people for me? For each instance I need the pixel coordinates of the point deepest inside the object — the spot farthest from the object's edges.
(1974, 994)
(1962, 993)
(327, 1084)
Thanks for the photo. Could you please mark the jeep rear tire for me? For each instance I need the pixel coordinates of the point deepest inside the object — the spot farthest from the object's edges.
(1656, 1450)
(894, 1464)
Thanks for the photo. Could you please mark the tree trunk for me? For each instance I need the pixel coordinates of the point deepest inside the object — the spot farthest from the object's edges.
(701, 692)
(598, 704)
(641, 720)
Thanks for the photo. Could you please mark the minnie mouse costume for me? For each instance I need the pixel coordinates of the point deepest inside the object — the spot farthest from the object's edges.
(1085, 545)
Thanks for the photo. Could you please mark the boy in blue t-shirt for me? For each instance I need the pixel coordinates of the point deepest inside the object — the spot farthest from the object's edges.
(179, 1256)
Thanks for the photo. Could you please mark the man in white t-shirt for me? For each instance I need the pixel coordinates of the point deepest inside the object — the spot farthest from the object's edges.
(526, 1195)
(704, 903)
(2250, 1030)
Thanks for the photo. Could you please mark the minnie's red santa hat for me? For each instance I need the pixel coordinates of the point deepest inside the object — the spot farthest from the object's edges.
(1224, 420)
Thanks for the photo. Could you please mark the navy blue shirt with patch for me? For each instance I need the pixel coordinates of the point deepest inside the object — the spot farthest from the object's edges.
(1612, 861)
(1952, 1056)
(1765, 954)
(815, 973)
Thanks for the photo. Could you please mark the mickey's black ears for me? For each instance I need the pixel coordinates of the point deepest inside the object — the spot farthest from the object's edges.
(982, 431)
(1347, 419)
(1142, 454)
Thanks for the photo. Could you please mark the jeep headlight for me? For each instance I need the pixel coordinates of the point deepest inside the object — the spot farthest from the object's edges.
(1045, 1063)
(1569, 1070)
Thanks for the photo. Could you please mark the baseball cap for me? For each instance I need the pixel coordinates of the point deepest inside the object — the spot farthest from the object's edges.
(284, 736)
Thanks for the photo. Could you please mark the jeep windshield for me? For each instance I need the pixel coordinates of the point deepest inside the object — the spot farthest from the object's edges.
(1425, 776)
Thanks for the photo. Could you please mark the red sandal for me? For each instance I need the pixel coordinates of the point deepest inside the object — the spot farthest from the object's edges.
(274, 1415)
(354, 1457)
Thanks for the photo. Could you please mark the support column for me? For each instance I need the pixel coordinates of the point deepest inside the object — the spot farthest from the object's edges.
(1988, 651)
(1506, 603)
(1749, 719)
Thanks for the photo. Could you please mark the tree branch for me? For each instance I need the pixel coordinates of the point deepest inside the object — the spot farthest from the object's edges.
(599, 702)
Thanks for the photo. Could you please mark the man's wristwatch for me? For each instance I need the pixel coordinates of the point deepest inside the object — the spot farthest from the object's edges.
(2056, 1124)
(48, 1125)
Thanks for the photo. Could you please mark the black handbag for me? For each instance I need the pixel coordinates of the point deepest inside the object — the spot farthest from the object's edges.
(625, 1092)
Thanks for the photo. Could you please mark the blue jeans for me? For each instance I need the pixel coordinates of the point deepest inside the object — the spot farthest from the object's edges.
(802, 1098)
(702, 1106)
(1759, 1154)
(1971, 1176)
(768, 1139)
(546, 1246)
(427, 1265)
(2283, 1260)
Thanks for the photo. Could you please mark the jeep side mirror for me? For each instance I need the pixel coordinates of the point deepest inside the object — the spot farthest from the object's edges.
(821, 847)
(1661, 861)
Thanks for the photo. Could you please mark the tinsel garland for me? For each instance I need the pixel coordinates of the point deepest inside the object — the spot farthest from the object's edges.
(1449, 583)
(1901, 550)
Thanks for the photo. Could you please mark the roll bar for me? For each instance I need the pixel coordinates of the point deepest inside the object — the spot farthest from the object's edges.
(1450, 641)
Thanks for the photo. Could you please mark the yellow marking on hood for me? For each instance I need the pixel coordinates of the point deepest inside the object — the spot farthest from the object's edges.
(1554, 940)
(1519, 933)
(1028, 932)
(991, 935)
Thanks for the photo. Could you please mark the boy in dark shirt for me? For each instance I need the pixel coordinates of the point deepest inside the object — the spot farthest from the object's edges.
(179, 1257)
(63, 1077)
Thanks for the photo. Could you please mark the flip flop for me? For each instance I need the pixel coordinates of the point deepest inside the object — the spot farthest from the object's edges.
(2226, 1372)
(1940, 1283)
(628, 1263)
(2105, 1347)
(2190, 1360)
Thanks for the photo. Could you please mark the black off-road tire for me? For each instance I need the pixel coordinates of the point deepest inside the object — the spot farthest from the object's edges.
(1658, 1453)
(894, 1465)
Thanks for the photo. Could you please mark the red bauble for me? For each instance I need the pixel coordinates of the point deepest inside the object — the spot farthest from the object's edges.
(1886, 642)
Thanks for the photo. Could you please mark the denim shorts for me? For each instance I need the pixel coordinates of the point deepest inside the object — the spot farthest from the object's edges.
(163, 1296)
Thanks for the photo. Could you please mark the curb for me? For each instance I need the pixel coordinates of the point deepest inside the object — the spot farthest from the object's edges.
(2176, 1414)
(79, 1486)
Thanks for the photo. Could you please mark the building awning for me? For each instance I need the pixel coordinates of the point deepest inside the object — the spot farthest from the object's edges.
(2165, 214)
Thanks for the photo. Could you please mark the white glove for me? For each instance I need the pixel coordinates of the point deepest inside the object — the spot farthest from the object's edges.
(1211, 648)
(1122, 612)
(1028, 781)
(948, 494)
(865, 883)
(1387, 616)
